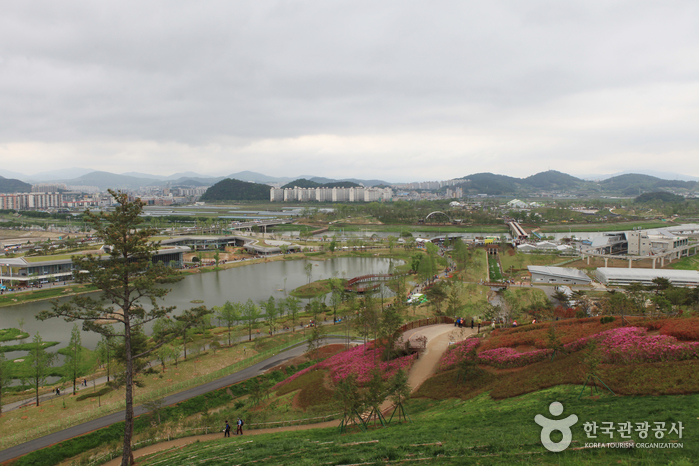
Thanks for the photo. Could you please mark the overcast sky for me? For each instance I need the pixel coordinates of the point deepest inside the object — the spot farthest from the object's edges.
(397, 90)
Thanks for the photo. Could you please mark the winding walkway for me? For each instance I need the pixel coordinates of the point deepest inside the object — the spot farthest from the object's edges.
(438, 340)
(422, 369)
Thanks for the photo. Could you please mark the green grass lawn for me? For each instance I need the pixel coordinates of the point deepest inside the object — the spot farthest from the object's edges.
(686, 263)
(562, 228)
(477, 431)
(476, 268)
(521, 260)
(56, 257)
(7, 334)
(495, 274)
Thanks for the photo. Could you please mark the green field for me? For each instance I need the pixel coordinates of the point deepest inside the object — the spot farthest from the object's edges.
(686, 263)
(477, 431)
(521, 260)
(494, 269)
(562, 228)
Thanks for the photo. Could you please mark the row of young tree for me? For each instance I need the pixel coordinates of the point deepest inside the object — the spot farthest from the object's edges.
(40, 363)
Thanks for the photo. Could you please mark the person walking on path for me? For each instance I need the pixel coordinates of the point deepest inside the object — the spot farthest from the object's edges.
(227, 430)
(239, 429)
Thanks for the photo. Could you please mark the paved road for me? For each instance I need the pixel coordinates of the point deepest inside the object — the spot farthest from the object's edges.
(105, 421)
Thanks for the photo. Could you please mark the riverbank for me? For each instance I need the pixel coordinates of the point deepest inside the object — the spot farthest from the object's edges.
(55, 291)
(59, 290)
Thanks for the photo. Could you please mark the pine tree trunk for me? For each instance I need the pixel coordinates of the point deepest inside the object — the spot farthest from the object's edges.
(127, 456)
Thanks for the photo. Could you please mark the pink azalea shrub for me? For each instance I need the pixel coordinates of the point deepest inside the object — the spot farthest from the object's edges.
(508, 358)
(457, 352)
(357, 361)
(623, 345)
(632, 345)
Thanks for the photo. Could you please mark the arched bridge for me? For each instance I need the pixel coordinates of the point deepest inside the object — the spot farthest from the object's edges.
(364, 282)
(437, 212)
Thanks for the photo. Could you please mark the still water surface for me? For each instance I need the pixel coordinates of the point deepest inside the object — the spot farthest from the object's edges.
(257, 282)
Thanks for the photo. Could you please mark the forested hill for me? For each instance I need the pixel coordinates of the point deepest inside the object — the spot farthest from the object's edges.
(11, 185)
(304, 183)
(490, 183)
(633, 183)
(551, 179)
(236, 190)
(658, 197)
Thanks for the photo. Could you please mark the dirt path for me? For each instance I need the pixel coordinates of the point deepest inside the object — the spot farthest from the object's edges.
(180, 442)
(422, 369)
(437, 343)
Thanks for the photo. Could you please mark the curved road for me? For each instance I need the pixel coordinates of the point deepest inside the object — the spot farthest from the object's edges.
(105, 421)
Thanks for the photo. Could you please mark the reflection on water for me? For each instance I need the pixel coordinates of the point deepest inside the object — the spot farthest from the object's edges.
(257, 282)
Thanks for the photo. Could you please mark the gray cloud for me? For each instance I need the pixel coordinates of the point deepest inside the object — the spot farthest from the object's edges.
(474, 86)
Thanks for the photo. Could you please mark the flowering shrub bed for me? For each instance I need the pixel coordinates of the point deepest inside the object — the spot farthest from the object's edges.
(633, 345)
(507, 358)
(359, 361)
(457, 352)
(568, 331)
(624, 345)
(682, 329)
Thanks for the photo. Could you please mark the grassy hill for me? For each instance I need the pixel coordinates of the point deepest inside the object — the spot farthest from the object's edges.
(474, 413)
(454, 432)
(236, 190)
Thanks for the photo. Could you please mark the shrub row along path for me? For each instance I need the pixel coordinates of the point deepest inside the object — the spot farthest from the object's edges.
(437, 342)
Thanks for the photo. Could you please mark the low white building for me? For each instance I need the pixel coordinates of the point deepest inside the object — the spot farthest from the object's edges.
(558, 275)
(623, 276)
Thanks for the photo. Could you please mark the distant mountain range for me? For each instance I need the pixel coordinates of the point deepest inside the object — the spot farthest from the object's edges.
(134, 180)
(656, 174)
(629, 184)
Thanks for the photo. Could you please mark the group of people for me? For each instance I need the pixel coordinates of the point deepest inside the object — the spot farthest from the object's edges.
(461, 323)
(238, 430)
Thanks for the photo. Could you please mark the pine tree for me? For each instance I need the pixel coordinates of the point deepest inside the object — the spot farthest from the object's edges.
(127, 279)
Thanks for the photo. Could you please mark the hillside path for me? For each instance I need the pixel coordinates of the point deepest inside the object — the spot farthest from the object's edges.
(422, 369)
